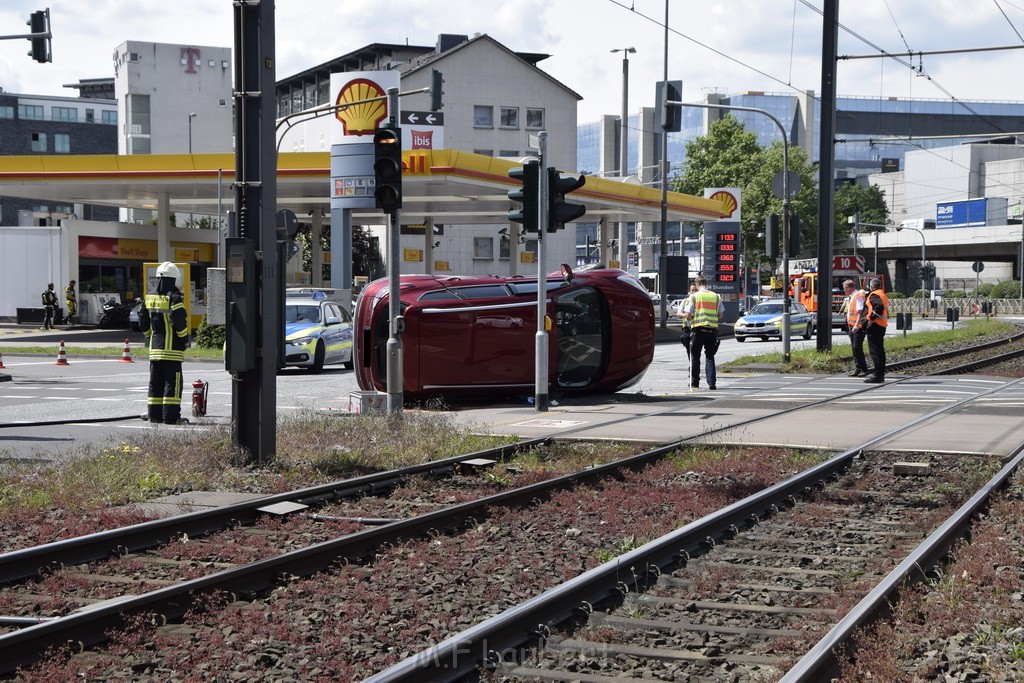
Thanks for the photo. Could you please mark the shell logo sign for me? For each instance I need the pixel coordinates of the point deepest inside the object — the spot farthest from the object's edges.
(730, 198)
(362, 118)
(729, 204)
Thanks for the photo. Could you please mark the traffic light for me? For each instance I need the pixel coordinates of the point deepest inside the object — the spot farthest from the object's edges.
(528, 194)
(39, 23)
(927, 271)
(387, 168)
(436, 81)
(793, 244)
(671, 114)
(561, 212)
(772, 236)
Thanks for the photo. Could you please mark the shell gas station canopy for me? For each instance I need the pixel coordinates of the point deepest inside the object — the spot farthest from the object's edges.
(446, 187)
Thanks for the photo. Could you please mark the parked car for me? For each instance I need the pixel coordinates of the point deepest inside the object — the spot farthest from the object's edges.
(133, 315)
(474, 335)
(317, 331)
(765, 320)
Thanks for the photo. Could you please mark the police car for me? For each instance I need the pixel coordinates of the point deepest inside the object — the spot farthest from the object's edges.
(317, 331)
(764, 320)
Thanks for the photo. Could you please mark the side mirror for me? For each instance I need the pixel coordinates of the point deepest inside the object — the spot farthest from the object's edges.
(334, 320)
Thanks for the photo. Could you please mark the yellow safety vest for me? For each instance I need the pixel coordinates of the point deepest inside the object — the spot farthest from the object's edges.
(705, 309)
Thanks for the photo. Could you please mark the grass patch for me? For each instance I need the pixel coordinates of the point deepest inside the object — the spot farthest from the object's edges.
(310, 449)
(810, 360)
(137, 350)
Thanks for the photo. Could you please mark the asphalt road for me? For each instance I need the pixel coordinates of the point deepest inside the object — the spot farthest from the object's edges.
(100, 400)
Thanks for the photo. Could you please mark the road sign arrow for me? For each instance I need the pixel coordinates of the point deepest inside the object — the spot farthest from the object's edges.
(431, 118)
(413, 118)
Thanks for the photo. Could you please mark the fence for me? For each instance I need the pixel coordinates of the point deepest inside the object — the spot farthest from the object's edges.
(969, 306)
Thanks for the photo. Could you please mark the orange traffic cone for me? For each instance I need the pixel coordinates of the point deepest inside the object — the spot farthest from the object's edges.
(126, 355)
(62, 355)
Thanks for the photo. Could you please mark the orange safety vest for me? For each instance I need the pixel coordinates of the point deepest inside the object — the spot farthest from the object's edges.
(878, 318)
(853, 311)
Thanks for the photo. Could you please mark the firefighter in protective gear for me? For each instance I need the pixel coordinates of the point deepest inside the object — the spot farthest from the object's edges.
(164, 321)
(49, 306)
(876, 320)
(71, 301)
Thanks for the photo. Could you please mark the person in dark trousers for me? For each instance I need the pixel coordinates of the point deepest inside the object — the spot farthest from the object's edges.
(164, 321)
(855, 326)
(71, 301)
(49, 306)
(704, 310)
(876, 319)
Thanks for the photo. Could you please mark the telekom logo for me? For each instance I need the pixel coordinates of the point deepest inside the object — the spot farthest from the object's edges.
(191, 56)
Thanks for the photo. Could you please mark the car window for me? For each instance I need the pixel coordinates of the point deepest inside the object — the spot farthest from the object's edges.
(520, 288)
(482, 292)
(301, 313)
(766, 309)
(440, 295)
(799, 308)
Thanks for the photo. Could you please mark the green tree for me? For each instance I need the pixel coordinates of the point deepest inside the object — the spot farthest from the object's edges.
(869, 200)
(366, 257)
(729, 156)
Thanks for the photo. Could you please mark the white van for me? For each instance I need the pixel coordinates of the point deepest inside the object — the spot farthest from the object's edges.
(919, 224)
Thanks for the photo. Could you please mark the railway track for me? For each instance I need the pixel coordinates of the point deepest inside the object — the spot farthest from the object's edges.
(713, 601)
(89, 624)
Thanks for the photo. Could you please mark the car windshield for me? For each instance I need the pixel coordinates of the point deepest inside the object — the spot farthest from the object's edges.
(301, 313)
(766, 309)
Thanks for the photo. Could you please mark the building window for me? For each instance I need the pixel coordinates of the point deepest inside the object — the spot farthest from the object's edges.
(222, 102)
(90, 116)
(483, 248)
(109, 117)
(504, 247)
(509, 153)
(38, 142)
(483, 116)
(62, 143)
(64, 114)
(6, 112)
(510, 117)
(30, 112)
(484, 152)
(535, 118)
(134, 57)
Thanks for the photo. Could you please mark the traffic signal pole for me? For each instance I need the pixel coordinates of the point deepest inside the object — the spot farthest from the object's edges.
(540, 379)
(395, 350)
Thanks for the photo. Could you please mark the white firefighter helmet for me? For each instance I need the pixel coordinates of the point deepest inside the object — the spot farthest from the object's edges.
(168, 269)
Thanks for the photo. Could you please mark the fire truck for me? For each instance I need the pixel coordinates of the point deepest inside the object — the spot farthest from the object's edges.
(804, 288)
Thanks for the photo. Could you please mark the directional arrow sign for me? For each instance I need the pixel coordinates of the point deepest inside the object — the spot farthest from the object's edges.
(430, 118)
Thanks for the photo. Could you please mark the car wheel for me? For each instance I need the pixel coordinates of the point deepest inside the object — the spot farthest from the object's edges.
(741, 339)
(318, 359)
(807, 331)
(350, 364)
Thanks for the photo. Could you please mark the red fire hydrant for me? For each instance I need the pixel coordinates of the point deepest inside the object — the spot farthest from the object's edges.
(200, 389)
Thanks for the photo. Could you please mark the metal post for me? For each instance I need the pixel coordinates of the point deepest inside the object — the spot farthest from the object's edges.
(623, 149)
(924, 304)
(394, 349)
(663, 231)
(541, 342)
(190, 117)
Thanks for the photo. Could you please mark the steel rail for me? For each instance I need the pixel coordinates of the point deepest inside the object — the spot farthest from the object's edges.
(820, 662)
(19, 565)
(502, 637)
(896, 366)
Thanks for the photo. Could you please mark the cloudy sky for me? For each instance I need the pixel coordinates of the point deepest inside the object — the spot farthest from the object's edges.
(721, 45)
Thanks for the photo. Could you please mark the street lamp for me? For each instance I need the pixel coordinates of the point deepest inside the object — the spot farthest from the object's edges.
(923, 303)
(624, 149)
(190, 117)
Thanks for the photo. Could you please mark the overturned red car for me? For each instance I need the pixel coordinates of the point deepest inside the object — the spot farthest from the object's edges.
(475, 335)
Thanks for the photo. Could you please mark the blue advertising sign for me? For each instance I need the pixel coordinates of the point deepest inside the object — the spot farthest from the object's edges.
(968, 212)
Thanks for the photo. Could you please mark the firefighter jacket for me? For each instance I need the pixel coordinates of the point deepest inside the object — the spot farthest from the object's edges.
(164, 321)
(49, 298)
(876, 309)
(70, 300)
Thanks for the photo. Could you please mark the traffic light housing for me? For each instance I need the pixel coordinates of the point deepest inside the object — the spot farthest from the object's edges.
(772, 236)
(561, 212)
(39, 23)
(528, 195)
(387, 168)
(793, 243)
(436, 93)
(671, 114)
